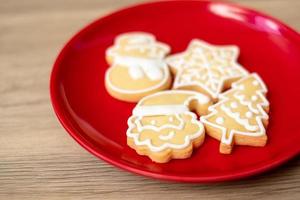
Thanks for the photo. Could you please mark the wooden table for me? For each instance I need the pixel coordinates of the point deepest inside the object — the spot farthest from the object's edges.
(39, 160)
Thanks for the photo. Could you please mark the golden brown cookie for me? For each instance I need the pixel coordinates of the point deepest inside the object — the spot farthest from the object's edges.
(137, 66)
(240, 117)
(206, 68)
(163, 127)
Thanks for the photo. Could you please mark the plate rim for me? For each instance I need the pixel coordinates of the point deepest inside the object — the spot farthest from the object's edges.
(103, 155)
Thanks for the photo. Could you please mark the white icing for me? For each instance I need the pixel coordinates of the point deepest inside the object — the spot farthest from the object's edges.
(198, 50)
(142, 127)
(242, 96)
(257, 78)
(187, 139)
(142, 42)
(254, 98)
(234, 105)
(220, 120)
(166, 75)
(238, 119)
(138, 39)
(242, 87)
(141, 110)
(214, 84)
(264, 102)
(249, 114)
(170, 135)
(153, 122)
(153, 67)
(136, 72)
(202, 99)
(153, 72)
(159, 110)
(255, 82)
(242, 100)
(260, 130)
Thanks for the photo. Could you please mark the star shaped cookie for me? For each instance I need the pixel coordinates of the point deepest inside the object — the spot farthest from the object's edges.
(206, 68)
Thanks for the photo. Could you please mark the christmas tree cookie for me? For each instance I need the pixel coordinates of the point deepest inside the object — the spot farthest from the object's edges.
(240, 117)
(137, 66)
(206, 68)
(163, 126)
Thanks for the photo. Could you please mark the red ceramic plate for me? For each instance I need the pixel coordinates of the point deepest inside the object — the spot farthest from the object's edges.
(98, 122)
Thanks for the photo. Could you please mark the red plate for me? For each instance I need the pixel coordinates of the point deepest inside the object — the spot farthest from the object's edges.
(98, 122)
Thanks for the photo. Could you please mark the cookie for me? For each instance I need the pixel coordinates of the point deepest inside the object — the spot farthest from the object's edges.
(163, 126)
(206, 68)
(240, 117)
(137, 66)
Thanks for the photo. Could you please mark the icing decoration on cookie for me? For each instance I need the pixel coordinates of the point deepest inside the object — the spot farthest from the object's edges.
(206, 68)
(176, 130)
(137, 67)
(238, 118)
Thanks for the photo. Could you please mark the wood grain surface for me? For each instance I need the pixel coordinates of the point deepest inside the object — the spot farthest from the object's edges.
(39, 160)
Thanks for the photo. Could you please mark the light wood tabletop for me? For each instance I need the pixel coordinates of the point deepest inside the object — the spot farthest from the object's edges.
(39, 160)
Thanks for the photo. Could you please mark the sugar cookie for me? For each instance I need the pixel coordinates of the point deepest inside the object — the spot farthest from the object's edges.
(163, 127)
(206, 68)
(240, 117)
(137, 66)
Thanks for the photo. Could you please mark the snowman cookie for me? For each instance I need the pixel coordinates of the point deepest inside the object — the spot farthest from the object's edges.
(163, 127)
(240, 117)
(137, 66)
(206, 68)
